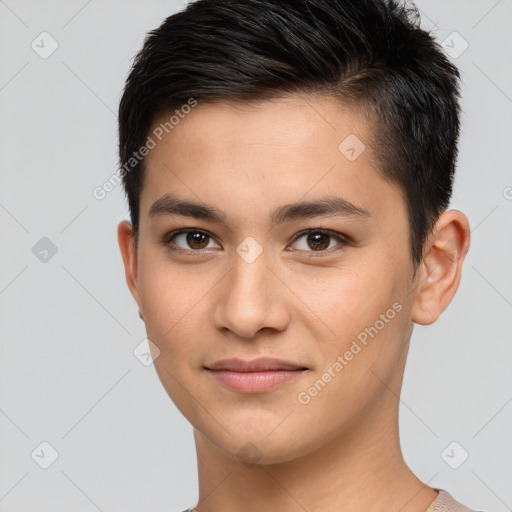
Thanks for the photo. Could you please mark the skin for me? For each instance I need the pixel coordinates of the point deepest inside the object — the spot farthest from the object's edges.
(341, 450)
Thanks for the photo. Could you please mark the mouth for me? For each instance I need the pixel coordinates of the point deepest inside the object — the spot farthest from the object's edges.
(255, 376)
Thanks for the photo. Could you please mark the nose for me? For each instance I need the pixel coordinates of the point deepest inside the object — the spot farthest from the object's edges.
(252, 298)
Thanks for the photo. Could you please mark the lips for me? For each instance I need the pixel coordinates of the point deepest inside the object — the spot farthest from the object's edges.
(256, 365)
(256, 376)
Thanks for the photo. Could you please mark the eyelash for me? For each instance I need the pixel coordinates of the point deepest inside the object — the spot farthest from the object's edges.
(343, 240)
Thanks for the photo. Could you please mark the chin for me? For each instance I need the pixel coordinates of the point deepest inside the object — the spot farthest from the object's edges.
(258, 443)
(261, 453)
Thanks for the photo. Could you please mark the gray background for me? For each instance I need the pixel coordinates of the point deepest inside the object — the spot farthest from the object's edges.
(68, 375)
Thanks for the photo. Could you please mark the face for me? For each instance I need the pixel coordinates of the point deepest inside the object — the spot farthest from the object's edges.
(296, 250)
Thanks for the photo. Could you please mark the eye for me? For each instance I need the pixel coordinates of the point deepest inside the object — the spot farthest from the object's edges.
(193, 238)
(319, 240)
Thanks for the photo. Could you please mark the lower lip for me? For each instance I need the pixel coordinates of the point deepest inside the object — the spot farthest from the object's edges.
(255, 382)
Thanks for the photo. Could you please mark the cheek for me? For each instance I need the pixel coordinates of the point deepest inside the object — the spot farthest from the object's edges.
(362, 364)
(345, 299)
(165, 287)
(363, 313)
(172, 297)
(173, 305)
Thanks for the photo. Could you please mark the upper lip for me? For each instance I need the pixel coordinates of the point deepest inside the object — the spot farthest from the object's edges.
(261, 364)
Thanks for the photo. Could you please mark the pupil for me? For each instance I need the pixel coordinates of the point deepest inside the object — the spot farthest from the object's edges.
(318, 239)
(195, 238)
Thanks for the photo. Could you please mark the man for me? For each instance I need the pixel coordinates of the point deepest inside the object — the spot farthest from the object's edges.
(288, 166)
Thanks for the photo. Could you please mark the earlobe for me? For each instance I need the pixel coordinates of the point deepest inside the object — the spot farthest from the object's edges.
(441, 268)
(125, 239)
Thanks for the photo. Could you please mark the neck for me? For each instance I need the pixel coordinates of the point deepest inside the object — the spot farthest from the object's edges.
(344, 474)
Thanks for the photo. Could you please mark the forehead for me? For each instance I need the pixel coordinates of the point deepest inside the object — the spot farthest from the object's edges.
(297, 122)
(258, 155)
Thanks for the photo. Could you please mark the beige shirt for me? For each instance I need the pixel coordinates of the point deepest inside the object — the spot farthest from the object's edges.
(446, 503)
(443, 503)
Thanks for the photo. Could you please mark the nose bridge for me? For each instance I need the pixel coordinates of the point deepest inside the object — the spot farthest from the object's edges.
(250, 299)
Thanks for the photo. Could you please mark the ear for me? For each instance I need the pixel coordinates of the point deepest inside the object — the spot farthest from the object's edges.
(126, 241)
(440, 270)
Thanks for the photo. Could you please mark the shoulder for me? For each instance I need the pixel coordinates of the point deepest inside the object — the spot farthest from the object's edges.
(445, 502)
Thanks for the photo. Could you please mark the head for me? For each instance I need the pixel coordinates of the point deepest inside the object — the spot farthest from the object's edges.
(250, 122)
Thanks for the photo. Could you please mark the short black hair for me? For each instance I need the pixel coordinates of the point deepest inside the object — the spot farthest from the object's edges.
(370, 54)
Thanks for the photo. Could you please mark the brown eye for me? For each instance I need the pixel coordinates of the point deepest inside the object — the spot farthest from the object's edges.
(188, 239)
(318, 241)
(196, 240)
(315, 240)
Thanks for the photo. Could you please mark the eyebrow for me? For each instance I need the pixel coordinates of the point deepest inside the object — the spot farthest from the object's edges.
(326, 206)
